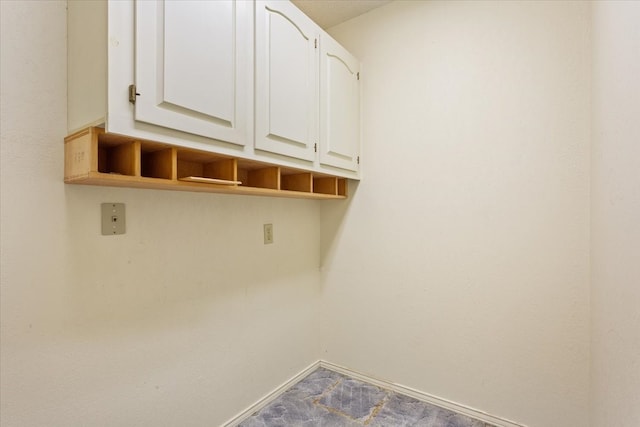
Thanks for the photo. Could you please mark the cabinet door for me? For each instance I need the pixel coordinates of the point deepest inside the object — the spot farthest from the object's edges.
(286, 80)
(339, 106)
(193, 67)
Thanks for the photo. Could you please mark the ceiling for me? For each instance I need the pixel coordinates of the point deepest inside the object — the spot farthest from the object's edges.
(328, 13)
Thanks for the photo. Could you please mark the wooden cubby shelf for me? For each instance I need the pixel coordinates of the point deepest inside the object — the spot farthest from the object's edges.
(94, 157)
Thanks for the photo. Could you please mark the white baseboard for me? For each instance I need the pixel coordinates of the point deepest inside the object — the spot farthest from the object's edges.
(273, 395)
(423, 397)
(398, 388)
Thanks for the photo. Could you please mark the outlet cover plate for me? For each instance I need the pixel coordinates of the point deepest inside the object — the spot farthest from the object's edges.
(113, 219)
(268, 234)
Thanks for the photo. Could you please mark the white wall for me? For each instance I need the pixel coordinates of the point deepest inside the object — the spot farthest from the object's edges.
(181, 321)
(461, 265)
(615, 207)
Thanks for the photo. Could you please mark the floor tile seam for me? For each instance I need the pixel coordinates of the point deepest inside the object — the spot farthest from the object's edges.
(373, 412)
(328, 390)
(378, 407)
(338, 412)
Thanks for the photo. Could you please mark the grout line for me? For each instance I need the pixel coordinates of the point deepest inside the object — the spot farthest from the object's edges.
(337, 411)
(378, 407)
(328, 390)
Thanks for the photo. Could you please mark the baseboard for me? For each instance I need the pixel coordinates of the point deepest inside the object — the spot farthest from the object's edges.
(273, 395)
(423, 397)
(398, 388)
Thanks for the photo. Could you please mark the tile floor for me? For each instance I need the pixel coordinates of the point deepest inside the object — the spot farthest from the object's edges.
(326, 398)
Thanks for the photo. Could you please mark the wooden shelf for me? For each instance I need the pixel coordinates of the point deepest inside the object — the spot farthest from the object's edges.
(94, 157)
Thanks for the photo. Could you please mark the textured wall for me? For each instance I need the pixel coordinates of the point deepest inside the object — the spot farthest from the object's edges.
(181, 321)
(615, 207)
(461, 266)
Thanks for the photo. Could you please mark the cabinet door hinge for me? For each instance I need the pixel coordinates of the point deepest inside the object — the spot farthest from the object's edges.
(315, 148)
(358, 75)
(315, 43)
(358, 159)
(132, 94)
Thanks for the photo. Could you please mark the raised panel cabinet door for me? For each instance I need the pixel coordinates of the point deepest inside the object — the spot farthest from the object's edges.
(193, 67)
(339, 106)
(286, 80)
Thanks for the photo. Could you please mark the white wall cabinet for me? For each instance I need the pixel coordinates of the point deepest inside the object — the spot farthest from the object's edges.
(286, 80)
(237, 78)
(339, 106)
(192, 67)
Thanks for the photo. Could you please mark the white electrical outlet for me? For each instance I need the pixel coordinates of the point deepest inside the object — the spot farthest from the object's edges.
(268, 234)
(113, 219)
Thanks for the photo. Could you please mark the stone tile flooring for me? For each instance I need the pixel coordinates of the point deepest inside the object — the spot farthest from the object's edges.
(326, 398)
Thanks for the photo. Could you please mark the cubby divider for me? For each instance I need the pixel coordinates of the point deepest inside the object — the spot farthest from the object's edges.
(159, 164)
(325, 185)
(226, 169)
(194, 165)
(342, 187)
(266, 177)
(297, 182)
(96, 157)
(123, 159)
